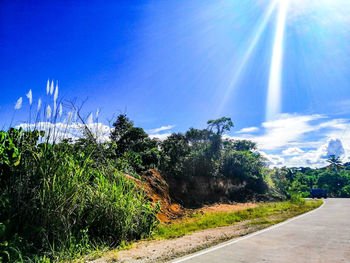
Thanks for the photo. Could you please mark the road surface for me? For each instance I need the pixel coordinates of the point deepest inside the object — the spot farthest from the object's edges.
(320, 236)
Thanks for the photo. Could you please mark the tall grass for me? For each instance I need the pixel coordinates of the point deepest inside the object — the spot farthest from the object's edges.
(60, 196)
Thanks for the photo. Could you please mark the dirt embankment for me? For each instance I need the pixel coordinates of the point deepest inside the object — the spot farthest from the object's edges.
(196, 191)
(157, 190)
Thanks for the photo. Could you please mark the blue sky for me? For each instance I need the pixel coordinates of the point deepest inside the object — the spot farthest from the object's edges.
(173, 64)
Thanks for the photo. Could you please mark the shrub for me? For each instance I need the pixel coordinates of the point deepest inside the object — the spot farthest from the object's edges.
(297, 198)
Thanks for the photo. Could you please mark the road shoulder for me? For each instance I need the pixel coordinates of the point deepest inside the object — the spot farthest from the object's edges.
(169, 249)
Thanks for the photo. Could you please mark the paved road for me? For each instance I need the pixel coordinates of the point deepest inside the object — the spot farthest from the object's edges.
(321, 236)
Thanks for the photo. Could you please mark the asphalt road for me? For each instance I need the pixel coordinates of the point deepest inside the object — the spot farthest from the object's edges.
(320, 236)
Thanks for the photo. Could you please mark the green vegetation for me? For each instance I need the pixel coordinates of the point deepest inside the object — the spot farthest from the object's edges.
(264, 214)
(133, 146)
(62, 198)
(298, 181)
(202, 166)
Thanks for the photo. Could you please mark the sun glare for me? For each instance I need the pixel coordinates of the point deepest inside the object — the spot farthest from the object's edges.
(314, 19)
(273, 105)
(245, 58)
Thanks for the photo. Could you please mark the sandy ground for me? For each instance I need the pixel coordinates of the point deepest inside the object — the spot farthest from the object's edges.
(226, 207)
(163, 250)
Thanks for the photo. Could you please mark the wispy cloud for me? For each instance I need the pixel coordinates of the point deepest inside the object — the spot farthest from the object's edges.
(285, 130)
(163, 128)
(248, 130)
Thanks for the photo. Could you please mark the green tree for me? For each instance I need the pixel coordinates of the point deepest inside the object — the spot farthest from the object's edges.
(334, 162)
(333, 181)
(120, 127)
(196, 136)
(173, 153)
(133, 146)
(220, 125)
(243, 145)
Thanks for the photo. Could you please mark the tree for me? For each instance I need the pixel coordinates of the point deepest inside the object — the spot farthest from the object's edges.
(220, 125)
(121, 126)
(133, 146)
(244, 145)
(333, 181)
(196, 136)
(290, 173)
(334, 162)
(132, 140)
(173, 152)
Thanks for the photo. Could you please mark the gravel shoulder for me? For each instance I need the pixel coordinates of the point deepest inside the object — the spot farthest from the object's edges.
(163, 250)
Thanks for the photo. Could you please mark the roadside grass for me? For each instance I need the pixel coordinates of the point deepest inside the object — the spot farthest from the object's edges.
(265, 214)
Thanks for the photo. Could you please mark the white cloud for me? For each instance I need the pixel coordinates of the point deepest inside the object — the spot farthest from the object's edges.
(317, 157)
(60, 130)
(160, 136)
(285, 130)
(292, 151)
(334, 147)
(273, 159)
(302, 140)
(163, 128)
(248, 130)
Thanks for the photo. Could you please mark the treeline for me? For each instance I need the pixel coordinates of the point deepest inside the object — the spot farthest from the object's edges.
(200, 166)
(335, 178)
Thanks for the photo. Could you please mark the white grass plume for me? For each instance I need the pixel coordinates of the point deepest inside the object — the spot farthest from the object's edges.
(51, 88)
(48, 112)
(60, 110)
(48, 87)
(69, 117)
(90, 119)
(39, 104)
(30, 97)
(56, 93)
(97, 113)
(18, 104)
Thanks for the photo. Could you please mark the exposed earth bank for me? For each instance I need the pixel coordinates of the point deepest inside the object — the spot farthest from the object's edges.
(159, 191)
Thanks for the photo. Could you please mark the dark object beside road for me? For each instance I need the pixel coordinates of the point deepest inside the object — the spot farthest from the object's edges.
(318, 193)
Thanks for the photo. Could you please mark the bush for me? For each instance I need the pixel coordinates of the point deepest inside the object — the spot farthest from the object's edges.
(297, 198)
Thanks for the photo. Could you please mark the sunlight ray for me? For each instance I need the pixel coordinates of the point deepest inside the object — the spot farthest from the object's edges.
(273, 105)
(239, 69)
